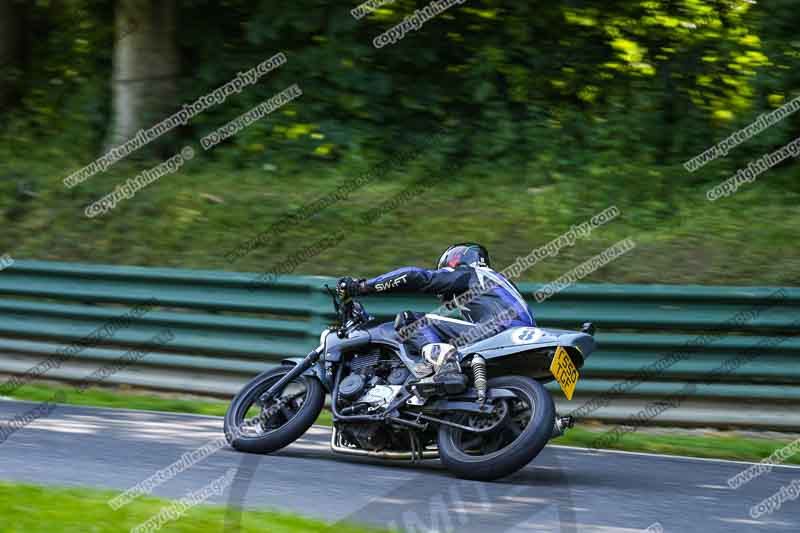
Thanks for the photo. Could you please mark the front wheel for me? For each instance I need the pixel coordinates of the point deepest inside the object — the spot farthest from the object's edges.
(251, 426)
(487, 456)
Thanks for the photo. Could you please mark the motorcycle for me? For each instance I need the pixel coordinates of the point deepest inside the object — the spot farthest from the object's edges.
(484, 423)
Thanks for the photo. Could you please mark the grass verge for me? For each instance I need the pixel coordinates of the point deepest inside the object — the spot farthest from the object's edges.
(714, 445)
(193, 219)
(31, 508)
(132, 399)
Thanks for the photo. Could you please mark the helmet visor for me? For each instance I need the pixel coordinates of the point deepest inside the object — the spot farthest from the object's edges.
(460, 255)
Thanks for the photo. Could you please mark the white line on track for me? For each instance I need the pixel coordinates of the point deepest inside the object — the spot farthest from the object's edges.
(666, 456)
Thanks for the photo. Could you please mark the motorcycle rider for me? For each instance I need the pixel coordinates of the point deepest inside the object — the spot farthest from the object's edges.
(486, 299)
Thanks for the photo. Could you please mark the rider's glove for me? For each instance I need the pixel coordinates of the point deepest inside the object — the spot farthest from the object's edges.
(349, 287)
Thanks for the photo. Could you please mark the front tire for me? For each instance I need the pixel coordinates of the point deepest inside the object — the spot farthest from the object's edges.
(299, 410)
(517, 443)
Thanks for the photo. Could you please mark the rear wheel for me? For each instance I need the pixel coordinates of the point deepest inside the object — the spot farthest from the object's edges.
(527, 425)
(263, 427)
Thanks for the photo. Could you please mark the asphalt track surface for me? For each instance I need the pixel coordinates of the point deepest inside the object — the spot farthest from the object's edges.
(564, 489)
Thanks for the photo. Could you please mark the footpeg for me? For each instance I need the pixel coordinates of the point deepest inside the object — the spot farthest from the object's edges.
(561, 426)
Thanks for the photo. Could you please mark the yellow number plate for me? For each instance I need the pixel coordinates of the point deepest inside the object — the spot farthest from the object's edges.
(565, 372)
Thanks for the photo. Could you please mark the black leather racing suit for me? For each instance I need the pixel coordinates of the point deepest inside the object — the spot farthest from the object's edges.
(488, 302)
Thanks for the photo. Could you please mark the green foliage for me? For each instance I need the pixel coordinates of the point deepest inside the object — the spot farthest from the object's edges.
(552, 113)
(486, 68)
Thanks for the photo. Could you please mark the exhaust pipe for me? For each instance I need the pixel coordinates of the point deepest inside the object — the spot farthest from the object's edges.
(339, 447)
(561, 426)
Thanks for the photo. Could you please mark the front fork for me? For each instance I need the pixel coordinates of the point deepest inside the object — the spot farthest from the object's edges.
(295, 372)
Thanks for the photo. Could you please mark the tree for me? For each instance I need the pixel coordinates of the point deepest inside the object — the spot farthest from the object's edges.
(12, 35)
(146, 65)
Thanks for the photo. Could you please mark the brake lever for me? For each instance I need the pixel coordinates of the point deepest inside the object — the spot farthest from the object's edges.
(333, 296)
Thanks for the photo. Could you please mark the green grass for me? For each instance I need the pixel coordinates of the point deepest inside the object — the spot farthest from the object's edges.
(119, 398)
(191, 219)
(107, 397)
(712, 445)
(34, 509)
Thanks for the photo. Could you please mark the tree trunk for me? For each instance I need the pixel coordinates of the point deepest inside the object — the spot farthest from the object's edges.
(144, 85)
(12, 24)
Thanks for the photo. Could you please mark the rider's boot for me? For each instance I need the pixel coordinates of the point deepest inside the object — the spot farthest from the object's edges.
(441, 360)
(442, 357)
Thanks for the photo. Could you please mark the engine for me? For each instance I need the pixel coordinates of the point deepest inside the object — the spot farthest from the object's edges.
(375, 379)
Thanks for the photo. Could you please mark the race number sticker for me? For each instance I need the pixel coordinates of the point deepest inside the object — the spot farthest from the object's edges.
(526, 335)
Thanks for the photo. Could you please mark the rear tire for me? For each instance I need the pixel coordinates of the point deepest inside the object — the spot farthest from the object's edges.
(287, 433)
(514, 455)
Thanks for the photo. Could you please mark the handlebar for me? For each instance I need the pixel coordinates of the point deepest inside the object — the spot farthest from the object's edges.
(349, 312)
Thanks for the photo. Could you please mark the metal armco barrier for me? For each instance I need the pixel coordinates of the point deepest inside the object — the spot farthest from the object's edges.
(741, 345)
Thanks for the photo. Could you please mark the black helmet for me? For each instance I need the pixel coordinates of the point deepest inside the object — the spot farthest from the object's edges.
(465, 253)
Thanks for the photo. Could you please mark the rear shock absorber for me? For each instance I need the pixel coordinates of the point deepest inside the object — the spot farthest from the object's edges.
(479, 374)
